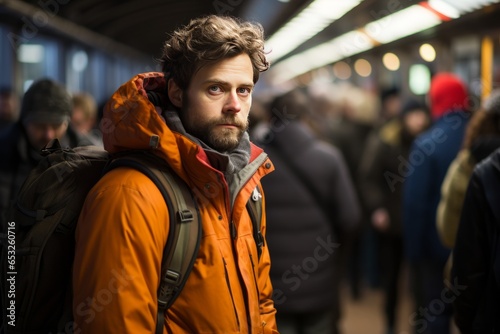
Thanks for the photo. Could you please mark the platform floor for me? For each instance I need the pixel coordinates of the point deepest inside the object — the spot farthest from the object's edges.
(365, 315)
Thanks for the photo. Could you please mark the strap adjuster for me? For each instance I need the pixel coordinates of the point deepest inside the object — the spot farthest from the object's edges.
(172, 277)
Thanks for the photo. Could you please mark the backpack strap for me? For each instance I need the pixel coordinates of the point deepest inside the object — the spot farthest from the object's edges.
(183, 242)
(254, 208)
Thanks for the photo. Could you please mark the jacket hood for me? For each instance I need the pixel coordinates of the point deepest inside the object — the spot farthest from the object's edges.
(447, 93)
(132, 122)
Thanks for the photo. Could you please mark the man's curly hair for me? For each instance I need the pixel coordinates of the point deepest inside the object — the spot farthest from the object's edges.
(209, 39)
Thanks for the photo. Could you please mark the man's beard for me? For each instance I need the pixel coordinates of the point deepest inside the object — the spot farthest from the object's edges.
(219, 138)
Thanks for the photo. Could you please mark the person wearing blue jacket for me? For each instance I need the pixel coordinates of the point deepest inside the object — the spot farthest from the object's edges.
(424, 171)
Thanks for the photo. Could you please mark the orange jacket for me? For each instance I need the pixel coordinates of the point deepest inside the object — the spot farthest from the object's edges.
(123, 228)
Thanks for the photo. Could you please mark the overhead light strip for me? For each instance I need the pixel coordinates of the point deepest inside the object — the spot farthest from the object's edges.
(310, 21)
(402, 24)
(388, 29)
(459, 7)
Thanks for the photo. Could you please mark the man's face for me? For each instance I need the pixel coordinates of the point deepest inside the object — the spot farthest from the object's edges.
(39, 134)
(8, 107)
(79, 121)
(216, 105)
(416, 122)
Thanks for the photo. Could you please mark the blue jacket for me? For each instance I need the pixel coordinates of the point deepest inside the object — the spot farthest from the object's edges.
(426, 166)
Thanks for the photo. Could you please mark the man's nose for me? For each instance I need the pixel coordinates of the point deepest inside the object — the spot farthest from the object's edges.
(233, 103)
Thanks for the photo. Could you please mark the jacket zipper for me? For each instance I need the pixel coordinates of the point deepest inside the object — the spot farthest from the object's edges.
(231, 293)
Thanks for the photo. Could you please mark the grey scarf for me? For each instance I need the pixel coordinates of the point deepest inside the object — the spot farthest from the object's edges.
(230, 163)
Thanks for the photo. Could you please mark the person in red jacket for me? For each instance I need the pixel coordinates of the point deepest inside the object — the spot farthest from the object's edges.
(204, 94)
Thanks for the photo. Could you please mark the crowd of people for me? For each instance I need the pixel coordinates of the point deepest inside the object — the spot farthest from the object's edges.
(363, 184)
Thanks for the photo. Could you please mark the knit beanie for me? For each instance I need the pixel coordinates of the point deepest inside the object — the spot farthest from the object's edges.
(411, 105)
(447, 93)
(46, 102)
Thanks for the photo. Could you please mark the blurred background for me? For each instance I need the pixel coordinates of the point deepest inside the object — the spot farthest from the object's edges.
(95, 45)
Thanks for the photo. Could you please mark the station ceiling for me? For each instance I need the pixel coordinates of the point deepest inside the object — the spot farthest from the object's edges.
(141, 26)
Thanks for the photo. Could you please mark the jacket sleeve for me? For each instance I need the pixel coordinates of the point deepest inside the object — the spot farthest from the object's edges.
(119, 246)
(452, 197)
(470, 257)
(267, 309)
(371, 170)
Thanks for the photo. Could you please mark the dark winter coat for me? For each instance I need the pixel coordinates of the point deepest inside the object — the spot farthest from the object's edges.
(305, 238)
(381, 175)
(18, 158)
(430, 156)
(476, 256)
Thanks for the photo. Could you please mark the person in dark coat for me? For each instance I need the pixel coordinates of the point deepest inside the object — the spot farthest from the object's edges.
(476, 255)
(482, 137)
(45, 115)
(312, 208)
(382, 193)
(356, 112)
(430, 156)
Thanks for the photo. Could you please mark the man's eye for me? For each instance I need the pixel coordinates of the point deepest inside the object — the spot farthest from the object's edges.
(244, 90)
(214, 89)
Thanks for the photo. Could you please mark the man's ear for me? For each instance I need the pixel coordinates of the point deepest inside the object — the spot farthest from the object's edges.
(174, 93)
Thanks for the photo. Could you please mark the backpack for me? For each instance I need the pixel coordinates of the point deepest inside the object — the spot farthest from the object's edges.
(38, 241)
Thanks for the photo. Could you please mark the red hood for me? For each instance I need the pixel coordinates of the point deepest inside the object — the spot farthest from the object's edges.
(447, 93)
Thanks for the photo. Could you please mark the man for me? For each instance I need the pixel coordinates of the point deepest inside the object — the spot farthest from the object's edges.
(382, 192)
(313, 211)
(210, 68)
(45, 114)
(430, 156)
(84, 117)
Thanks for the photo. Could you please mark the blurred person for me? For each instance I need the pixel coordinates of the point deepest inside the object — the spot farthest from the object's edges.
(425, 168)
(357, 109)
(192, 116)
(382, 192)
(312, 210)
(257, 118)
(390, 104)
(476, 255)
(9, 106)
(482, 137)
(45, 115)
(84, 116)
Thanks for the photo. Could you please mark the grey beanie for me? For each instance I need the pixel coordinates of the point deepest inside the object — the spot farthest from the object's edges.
(46, 102)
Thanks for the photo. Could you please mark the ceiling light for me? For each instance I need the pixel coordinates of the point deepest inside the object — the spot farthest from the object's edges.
(402, 24)
(30, 53)
(391, 61)
(455, 8)
(344, 46)
(363, 67)
(427, 52)
(419, 79)
(342, 70)
(310, 21)
(444, 8)
(388, 29)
